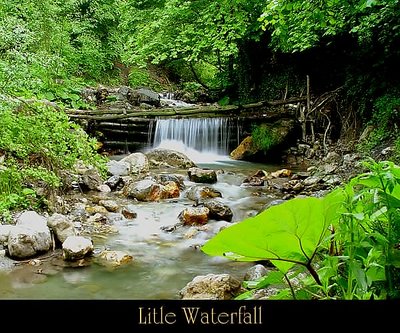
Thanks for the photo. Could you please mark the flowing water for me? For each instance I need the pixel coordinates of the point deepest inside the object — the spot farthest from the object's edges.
(164, 262)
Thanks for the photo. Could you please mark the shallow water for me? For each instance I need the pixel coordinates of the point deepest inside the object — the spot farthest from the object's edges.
(164, 262)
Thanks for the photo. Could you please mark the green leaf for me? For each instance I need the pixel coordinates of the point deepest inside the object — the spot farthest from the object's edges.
(49, 96)
(359, 274)
(286, 234)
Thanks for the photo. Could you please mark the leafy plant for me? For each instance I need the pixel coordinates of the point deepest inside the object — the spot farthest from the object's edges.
(347, 241)
(37, 143)
(288, 234)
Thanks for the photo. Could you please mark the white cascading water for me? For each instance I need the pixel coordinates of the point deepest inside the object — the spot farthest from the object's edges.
(201, 139)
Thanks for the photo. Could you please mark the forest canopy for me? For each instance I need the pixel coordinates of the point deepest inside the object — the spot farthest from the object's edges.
(229, 51)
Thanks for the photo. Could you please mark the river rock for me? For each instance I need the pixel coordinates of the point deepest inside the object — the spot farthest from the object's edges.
(25, 242)
(90, 179)
(164, 178)
(245, 149)
(76, 248)
(212, 287)
(199, 193)
(113, 182)
(149, 190)
(30, 236)
(129, 212)
(138, 163)
(148, 96)
(4, 233)
(109, 205)
(62, 226)
(161, 157)
(194, 215)
(198, 175)
(96, 209)
(118, 168)
(114, 258)
(218, 210)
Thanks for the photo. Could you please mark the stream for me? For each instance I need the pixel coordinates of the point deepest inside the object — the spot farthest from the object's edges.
(164, 262)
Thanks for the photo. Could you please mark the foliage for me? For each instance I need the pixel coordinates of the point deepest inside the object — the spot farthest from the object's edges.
(38, 142)
(298, 25)
(347, 240)
(263, 137)
(385, 124)
(193, 31)
(45, 45)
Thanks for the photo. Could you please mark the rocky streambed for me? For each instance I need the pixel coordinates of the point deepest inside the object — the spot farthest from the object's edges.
(138, 234)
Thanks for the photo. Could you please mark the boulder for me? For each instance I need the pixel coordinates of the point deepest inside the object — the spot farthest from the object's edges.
(118, 168)
(198, 175)
(138, 163)
(212, 287)
(218, 211)
(194, 215)
(199, 193)
(62, 226)
(114, 258)
(76, 248)
(161, 157)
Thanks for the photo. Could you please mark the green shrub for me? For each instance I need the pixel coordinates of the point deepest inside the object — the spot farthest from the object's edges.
(36, 143)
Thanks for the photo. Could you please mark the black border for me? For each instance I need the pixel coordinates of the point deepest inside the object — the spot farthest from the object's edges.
(282, 315)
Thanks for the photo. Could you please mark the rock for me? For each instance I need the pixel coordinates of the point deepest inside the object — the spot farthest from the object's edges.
(149, 190)
(253, 181)
(212, 287)
(218, 211)
(198, 175)
(332, 180)
(148, 96)
(109, 205)
(25, 242)
(118, 168)
(129, 212)
(76, 248)
(168, 158)
(4, 233)
(170, 190)
(198, 193)
(270, 204)
(96, 210)
(90, 179)
(113, 182)
(114, 258)
(281, 173)
(312, 180)
(245, 149)
(30, 236)
(138, 163)
(330, 168)
(103, 188)
(32, 219)
(165, 178)
(257, 179)
(97, 217)
(62, 226)
(194, 215)
(333, 157)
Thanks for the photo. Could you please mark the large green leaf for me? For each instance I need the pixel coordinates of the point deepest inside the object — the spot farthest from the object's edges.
(286, 234)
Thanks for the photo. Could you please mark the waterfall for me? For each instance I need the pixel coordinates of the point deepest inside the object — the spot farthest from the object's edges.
(194, 135)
